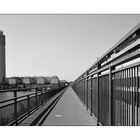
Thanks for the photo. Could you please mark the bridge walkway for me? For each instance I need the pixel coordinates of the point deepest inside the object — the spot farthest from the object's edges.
(69, 111)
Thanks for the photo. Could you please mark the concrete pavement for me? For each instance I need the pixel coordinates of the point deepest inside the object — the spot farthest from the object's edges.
(69, 111)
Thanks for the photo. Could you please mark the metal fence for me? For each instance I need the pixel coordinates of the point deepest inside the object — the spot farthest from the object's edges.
(110, 88)
(13, 110)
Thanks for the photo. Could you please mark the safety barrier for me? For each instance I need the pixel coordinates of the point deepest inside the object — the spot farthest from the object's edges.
(110, 88)
(14, 110)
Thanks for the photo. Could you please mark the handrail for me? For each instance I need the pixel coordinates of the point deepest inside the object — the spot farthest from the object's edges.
(16, 89)
(31, 101)
(132, 36)
(110, 87)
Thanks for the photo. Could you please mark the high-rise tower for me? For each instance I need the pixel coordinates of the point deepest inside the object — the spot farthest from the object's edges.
(2, 57)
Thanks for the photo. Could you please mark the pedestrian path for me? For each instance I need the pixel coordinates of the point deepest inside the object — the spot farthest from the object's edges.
(69, 111)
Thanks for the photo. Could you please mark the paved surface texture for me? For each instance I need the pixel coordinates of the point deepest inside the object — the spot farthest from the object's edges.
(69, 111)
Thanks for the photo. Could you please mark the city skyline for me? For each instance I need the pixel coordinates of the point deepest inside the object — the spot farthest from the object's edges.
(62, 45)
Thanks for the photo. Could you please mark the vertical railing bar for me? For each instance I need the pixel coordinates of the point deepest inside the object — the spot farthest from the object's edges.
(137, 83)
(98, 92)
(127, 96)
(98, 99)
(82, 89)
(91, 94)
(130, 112)
(28, 100)
(110, 96)
(123, 97)
(121, 121)
(124, 100)
(134, 86)
(45, 92)
(114, 98)
(138, 95)
(15, 106)
(119, 97)
(129, 85)
(134, 96)
(41, 96)
(131, 96)
(87, 94)
(79, 90)
(36, 98)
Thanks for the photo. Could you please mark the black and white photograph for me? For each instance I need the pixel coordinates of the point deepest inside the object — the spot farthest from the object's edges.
(69, 70)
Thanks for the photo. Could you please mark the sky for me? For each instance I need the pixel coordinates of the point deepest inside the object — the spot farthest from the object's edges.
(62, 45)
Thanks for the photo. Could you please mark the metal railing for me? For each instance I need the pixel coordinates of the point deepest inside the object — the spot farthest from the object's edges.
(110, 88)
(14, 110)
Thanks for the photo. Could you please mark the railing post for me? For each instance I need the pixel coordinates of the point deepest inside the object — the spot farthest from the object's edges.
(84, 91)
(82, 88)
(42, 96)
(110, 96)
(91, 91)
(98, 92)
(87, 90)
(45, 89)
(15, 106)
(36, 97)
(28, 100)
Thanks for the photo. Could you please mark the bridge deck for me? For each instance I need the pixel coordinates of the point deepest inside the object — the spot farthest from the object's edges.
(70, 111)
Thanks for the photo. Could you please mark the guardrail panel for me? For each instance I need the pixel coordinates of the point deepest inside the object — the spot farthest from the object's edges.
(7, 114)
(104, 99)
(95, 97)
(89, 94)
(115, 96)
(22, 107)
